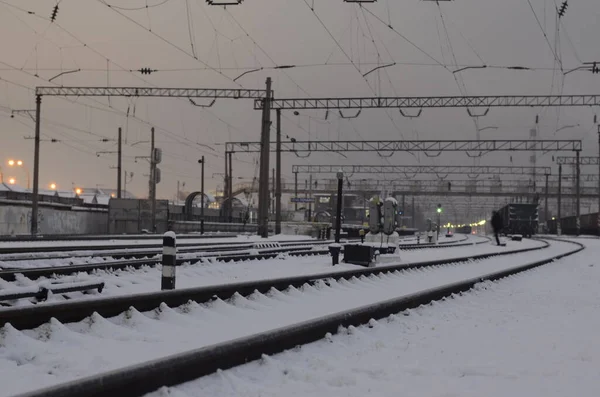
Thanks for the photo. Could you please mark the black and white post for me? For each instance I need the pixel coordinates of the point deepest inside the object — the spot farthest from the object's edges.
(169, 261)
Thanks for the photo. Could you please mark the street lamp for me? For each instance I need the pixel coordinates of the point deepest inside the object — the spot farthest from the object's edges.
(12, 181)
(78, 191)
(19, 163)
(53, 186)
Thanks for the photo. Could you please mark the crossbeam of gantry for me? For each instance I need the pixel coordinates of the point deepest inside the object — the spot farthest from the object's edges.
(457, 188)
(477, 146)
(583, 160)
(434, 102)
(152, 92)
(418, 169)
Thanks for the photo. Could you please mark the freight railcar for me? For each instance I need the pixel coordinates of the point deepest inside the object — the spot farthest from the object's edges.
(519, 218)
(588, 224)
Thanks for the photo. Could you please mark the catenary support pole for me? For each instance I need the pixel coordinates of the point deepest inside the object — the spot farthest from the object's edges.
(338, 209)
(119, 163)
(169, 261)
(36, 166)
(295, 190)
(559, 203)
(153, 179)
(413, 212)
(278, 185)
(335, 248)
(225, 188)
(272, 201)
(310, 196)
(230, 190)
(578, 203)
(598, 220)
(546, 205)
(202, 198)
(263, 183)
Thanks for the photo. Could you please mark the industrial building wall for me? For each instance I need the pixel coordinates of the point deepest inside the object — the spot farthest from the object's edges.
(15, 219)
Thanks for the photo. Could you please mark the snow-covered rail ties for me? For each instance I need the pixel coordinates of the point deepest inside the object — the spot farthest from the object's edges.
(258, 318)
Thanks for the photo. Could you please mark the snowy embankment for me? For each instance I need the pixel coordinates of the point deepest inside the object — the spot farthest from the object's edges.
(147, 279)
(57, 352)
(532, 334)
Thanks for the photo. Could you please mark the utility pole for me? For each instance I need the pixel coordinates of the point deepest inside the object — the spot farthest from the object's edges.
(278, 184)
(598, 220)
(201, 161)
(263, 195)
(119, 164)
(36, 167)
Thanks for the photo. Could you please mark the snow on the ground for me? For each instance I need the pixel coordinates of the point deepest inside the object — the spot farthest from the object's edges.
(57, 352)
(210, 272)
(533, 334)
(157, 241)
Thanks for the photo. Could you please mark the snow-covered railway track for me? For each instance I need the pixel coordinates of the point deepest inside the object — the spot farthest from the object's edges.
(293, 250)
(147, 328)
(81, 254)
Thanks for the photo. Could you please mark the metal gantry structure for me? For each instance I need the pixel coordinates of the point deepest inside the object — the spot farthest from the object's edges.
(210, 93)
(473, 148)
(390, 146)
(265, 101)
(418, 169)
(433, 102)
(420, 103)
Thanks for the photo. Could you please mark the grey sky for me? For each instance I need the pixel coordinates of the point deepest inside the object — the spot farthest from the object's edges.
(501, 33)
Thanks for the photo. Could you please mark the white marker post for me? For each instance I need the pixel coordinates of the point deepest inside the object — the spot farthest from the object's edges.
(169, 261)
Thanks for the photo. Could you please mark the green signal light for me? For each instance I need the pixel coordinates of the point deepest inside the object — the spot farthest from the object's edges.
(439, 210)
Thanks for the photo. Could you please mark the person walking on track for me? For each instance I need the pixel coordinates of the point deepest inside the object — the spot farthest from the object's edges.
(496, 225)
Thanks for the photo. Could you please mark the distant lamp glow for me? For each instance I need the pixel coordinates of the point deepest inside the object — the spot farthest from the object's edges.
(553, 218)
(11, 162)
(12, 181)
(19, 162)
(53, 186)
(112, 195)
(78, 191)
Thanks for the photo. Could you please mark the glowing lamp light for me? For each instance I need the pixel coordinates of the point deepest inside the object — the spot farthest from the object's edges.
(11, 162)
(12, 181)
(53, 186)
(78, 191)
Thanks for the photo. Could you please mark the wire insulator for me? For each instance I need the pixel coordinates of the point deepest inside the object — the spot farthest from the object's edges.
(54, 13)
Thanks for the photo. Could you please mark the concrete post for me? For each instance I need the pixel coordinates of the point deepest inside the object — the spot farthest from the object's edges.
(169, 261)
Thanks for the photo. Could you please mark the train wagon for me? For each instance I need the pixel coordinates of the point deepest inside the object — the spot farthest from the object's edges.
(464, 230)
(519, 218)
(588, 224)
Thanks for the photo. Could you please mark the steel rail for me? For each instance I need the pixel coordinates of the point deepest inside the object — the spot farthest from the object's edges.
(34, 316)
(49, 272)
(122, 252)
(138, 380)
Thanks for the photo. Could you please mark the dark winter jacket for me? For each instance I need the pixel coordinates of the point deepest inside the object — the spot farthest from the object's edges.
(497, 222)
